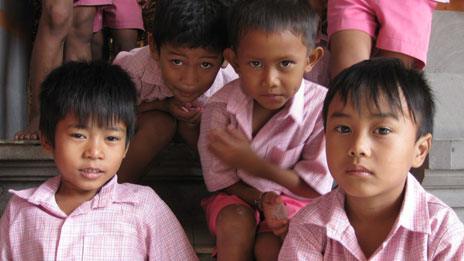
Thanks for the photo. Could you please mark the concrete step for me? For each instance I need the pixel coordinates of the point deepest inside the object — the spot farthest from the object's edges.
(175, 176)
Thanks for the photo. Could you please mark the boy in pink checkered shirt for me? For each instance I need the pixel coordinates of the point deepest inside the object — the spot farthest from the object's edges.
(261, 141)
(378, 124)
(87, 120)
(174, 76)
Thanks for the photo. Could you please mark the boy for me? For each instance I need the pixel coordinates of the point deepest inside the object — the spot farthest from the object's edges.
(174, 76)
(261, 142)
(87, 120)
(378, 123)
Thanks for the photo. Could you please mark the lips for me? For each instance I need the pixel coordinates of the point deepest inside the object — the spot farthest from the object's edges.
(91, 173)
(358, 170)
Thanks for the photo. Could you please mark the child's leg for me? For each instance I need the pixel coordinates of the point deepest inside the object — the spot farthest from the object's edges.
(47, 54)
(97, 45)
(126, 39)
(189, 133)
(235, 233)
(348, 47)
(78, 42)
(155, 130)
(267, 246)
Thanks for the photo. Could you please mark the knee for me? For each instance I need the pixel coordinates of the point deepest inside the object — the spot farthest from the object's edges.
(58, 17)
(157, 123)
(235, 218)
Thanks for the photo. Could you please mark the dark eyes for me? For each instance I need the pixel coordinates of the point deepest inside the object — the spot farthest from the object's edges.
(206, 65)
(382, 131)
(176, 62)
(342, 129)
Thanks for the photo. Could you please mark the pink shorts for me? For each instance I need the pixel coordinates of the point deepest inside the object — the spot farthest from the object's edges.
(398, 26)
(92, 2)
(123, 14)
(214, 204)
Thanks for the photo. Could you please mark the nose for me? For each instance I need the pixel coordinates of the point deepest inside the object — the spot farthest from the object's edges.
(270, 78)
(360, 146)
(93, 150)
(190, 78)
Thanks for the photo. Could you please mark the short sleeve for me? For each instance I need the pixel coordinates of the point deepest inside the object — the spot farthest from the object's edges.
(215, 173)
(166, 239)
(302, 243)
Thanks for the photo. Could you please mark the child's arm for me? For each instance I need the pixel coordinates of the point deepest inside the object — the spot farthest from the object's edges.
(5, 253)
(275, 213)
(232, 147)
(166, 239)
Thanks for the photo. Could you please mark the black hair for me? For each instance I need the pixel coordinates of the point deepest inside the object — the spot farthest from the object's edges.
(272, 16)
(367, 82)
(95, 91)
(190, 24)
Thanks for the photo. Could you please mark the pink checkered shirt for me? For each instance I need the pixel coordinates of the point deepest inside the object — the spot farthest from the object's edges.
(427, 229)
(292, 139)
(122, 222)
(146, 74)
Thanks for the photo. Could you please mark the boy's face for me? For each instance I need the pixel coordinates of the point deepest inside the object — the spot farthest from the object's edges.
(188, 72)
(271, 66)
(370, 153)
(87, 156)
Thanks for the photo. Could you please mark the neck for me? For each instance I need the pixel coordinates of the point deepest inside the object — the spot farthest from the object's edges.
(383, 209)
(68, 200)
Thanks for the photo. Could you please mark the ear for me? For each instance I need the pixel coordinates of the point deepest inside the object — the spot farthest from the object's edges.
(125, 152)
(46, 144)
(229, 56)
(315, 55)
(152, 46)
(422, 148)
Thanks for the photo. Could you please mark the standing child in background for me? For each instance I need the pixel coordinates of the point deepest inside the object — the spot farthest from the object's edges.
(378, 122)
(124, 19)
(174, 75)
(64, 34)
(87, 120)
(399, 29)
(261, 141)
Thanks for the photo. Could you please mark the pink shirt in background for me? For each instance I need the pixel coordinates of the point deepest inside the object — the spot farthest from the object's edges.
(146, 74)
(122, 222)
(293, 138)
(427, 229)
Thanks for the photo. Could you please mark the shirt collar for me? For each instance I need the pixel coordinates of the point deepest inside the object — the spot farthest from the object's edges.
(44, 195)
(414, 205)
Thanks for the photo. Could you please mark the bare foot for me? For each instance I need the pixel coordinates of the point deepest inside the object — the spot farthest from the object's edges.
(31, 132)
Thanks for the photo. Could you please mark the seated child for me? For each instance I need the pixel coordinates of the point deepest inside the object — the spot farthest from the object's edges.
(174, 75)
(261, 142)
(87, 119)
(378, 124)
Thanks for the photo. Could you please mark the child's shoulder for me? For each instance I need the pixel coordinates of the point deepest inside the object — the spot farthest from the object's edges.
(231, 90)
(136, 57)
(321, 210)
(312, 89)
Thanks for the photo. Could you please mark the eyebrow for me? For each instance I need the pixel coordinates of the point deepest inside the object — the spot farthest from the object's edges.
(201, 57)
(82, 126)
(381, 115)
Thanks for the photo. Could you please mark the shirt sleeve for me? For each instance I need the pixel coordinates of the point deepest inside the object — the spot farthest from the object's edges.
(134, 68)
(312, 166)
(5, 222)
(450, 244)
(302, 244)
(166, 238)
(215, 173)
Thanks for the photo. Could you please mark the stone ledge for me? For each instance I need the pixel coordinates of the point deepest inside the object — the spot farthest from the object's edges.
(443, 179)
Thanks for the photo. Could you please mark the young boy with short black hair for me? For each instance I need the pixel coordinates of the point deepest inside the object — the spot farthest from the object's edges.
(87, 120)
(378, 123)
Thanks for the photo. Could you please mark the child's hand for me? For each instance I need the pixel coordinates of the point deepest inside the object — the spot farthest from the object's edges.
(231, 146)
(187, 112)
(275, 214)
